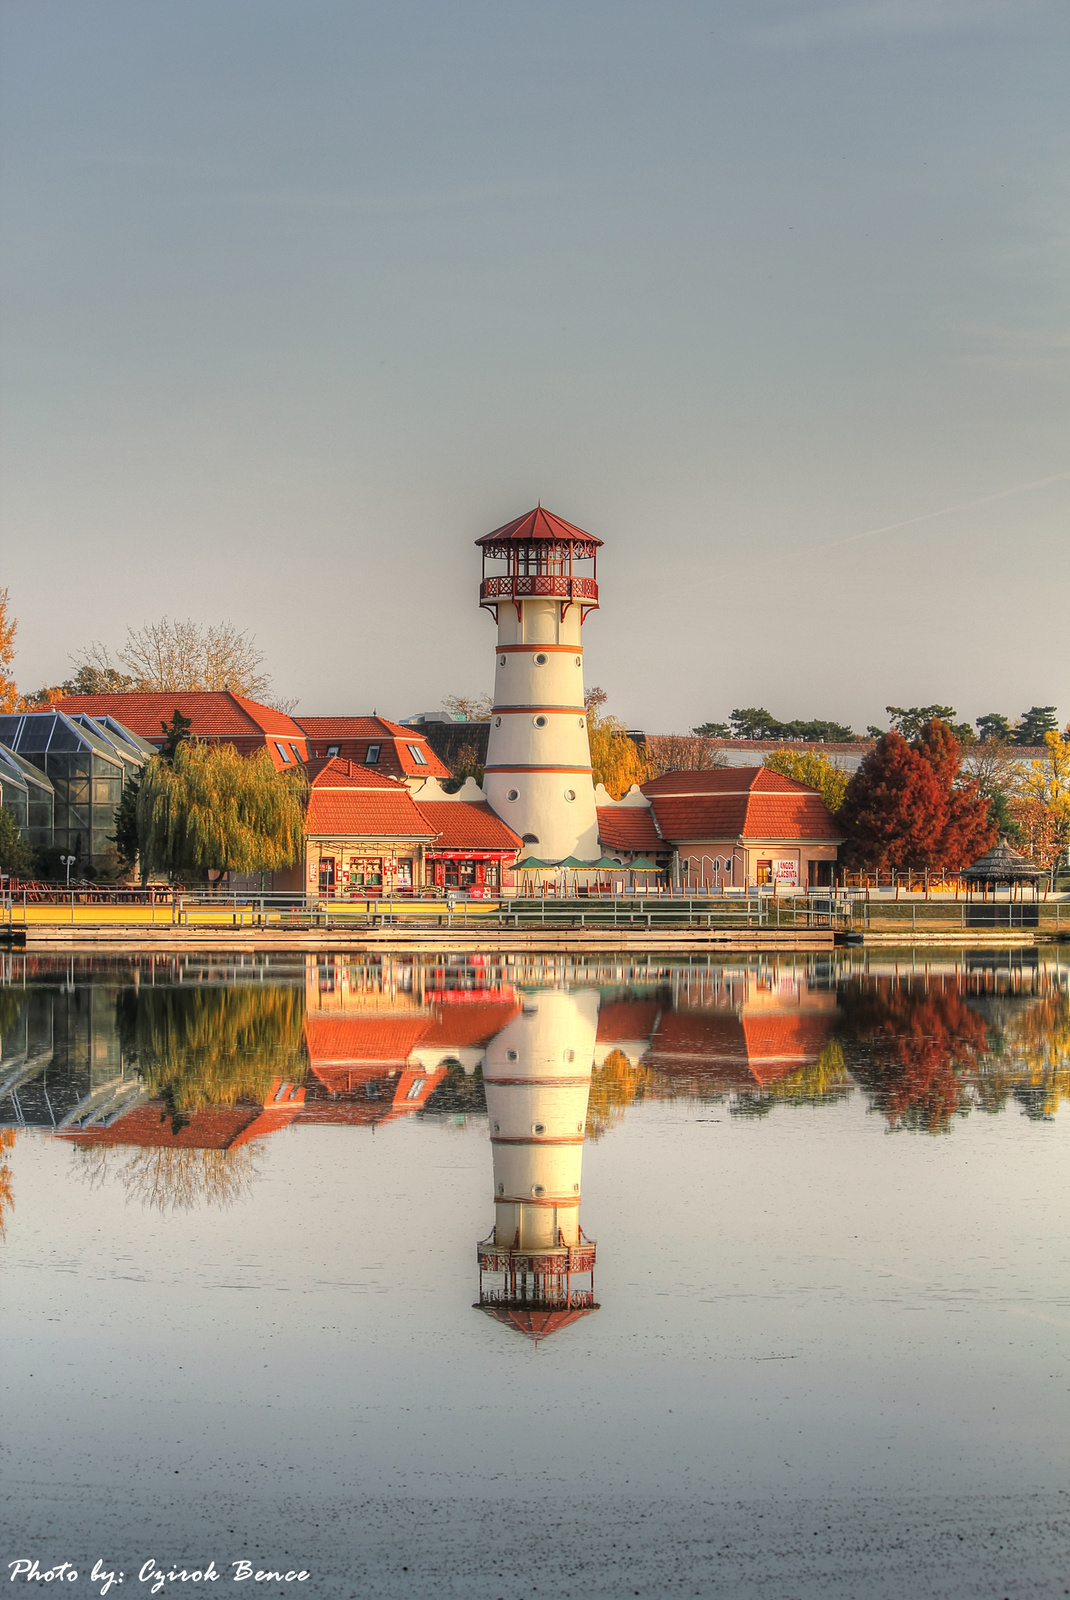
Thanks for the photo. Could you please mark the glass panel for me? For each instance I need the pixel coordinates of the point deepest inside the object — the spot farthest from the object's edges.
(107, 791)
(35, 735)
(63, 738)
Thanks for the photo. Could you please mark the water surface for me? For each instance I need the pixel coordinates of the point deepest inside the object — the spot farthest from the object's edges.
(525, 1276)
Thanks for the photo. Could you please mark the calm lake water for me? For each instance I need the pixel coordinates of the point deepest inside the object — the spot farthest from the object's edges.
(512, 1277)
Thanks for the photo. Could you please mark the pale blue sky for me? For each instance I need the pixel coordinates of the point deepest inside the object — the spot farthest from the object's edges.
(300, 297)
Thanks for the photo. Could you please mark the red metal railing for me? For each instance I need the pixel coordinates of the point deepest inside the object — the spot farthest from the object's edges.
(554, 586)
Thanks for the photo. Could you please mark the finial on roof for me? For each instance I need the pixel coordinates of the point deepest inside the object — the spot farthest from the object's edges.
(540, 502)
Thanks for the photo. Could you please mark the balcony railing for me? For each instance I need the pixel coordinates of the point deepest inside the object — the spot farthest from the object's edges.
(536, 585)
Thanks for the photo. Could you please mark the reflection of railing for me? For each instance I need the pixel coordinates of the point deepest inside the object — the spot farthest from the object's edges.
(577, 1300)
(533, 585)
(578, 1258)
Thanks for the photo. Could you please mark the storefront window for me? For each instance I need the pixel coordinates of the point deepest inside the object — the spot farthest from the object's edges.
(765, 872)
(366, 872)
(326, 875)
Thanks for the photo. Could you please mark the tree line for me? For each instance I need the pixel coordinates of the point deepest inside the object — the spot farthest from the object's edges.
(755, 722)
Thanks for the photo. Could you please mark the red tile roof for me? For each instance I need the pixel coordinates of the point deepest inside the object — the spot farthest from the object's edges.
(153, 1125)
(738, 1049)
(468, 825)
(628, 828)
(337, 772)
(541, 526)
(353, 1041)
(738, 802)
(365, 814)
(221, 715)
(353, 735)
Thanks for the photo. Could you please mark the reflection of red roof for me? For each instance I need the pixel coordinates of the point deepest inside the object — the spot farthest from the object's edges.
(466, 1026)
(628, 828)
(738, 802)
(373, 1037)
(536, 1324)
(621, 1020)
(468, 825)
(539, 525)
(762, 1045)
(153, 1125)
(364, 1096)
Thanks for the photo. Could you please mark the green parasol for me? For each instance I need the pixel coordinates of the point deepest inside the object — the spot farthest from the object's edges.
(640, 865)
(532, 864)
(607, 864)
(573, 865)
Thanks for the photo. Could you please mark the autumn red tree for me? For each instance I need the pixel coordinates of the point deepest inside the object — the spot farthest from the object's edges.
(906, 806)
(918, 1043)
(893, 809)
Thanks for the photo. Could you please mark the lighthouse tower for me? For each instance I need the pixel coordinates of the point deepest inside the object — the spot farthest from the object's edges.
(536, 1270)
(538, 771)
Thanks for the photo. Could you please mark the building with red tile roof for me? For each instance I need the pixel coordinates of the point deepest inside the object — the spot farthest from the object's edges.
(629, 831)
(364, 834)
(373, 742)
(472, 847)
(219, 717)
(744, 825)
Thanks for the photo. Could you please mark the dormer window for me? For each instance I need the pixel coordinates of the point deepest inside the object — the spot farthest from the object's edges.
(417, 754)
(283, 752)
(333, 750)
(371, 759)
(296, 751)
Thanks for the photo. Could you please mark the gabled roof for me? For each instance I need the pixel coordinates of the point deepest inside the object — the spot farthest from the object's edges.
(539, 526)
(347, 800)
(338, 772)
(215, 714)
(468, 825)
(628, 828)
(396, 744)
(738, 803)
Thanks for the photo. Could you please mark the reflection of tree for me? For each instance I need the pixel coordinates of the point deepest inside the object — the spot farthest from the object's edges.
(818, 1083)
(7, 1189)
(459, 1094)
(1038, 1045)
(916, 1044)
(199, 1047)
(170, 1178)
(615, 1085)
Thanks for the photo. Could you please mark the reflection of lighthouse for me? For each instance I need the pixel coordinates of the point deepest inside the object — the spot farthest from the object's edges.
(538, 769)
(536, 1270)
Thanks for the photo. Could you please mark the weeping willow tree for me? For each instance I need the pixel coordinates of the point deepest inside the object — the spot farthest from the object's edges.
(170, 1179)
(200, 1047)
(211, 809)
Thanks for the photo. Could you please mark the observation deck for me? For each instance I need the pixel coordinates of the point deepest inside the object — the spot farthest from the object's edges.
(537, 585)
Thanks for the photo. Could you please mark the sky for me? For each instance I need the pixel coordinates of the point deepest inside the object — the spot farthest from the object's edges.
(301, 297)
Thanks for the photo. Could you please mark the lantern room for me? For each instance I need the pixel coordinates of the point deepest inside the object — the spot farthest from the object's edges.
(540, 556)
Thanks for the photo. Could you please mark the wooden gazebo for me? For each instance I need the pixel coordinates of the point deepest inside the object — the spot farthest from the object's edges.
(1001, 865)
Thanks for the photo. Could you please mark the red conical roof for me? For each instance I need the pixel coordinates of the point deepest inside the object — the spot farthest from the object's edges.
(536, 1324)
(539, 527)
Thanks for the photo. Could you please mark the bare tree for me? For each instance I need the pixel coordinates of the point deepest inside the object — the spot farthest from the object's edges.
(469, 707)
(170, 656)
(683, 752)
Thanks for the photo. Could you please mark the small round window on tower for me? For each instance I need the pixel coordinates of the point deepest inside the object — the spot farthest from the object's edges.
(570, 794)
(502, 660)
(497, 722)
(582, 724)
(537, 1191)
(538, 1127)
(540, 722)
(579, 661)
(540, 661)
(501, 1188)
(510, 1055)
(513, 794)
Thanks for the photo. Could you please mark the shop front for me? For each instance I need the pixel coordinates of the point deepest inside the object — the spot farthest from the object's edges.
(477, 872)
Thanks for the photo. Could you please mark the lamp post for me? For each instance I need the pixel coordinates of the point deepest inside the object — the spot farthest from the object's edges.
(68, 862)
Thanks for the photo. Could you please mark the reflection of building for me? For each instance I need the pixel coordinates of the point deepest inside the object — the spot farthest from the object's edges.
(536, 1270)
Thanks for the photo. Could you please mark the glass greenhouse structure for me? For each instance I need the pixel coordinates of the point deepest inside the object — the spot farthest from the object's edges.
(87, 761)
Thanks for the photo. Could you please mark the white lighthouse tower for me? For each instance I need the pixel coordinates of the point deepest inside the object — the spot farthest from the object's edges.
(538, 771)
(536, 1270)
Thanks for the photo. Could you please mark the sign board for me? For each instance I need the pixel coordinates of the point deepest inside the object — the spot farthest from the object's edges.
(786, 874)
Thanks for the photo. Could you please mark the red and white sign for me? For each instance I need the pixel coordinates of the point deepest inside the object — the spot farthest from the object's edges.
(786, 874)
